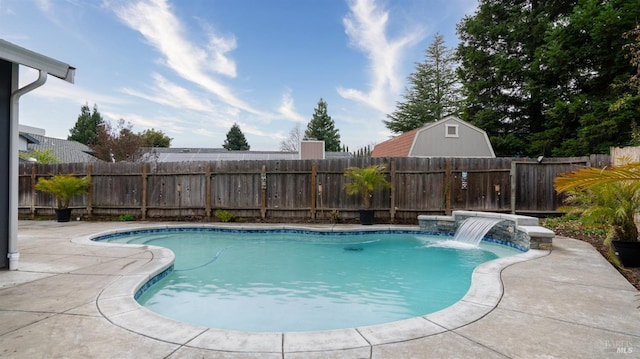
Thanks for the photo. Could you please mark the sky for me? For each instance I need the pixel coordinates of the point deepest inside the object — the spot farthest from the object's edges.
(193, 68)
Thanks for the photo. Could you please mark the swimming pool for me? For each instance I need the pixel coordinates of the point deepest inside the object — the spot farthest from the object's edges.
(233, 279)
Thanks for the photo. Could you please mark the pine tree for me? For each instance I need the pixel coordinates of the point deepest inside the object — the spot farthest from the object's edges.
(235, 140)
(322, 128)
(433, 93)
(86, 128)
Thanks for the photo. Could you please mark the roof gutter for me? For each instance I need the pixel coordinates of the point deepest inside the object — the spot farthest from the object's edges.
(13, 253)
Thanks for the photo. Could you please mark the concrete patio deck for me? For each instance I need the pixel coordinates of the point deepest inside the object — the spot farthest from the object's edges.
(71, 299)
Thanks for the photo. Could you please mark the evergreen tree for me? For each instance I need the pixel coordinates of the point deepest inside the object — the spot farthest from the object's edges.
(433, 93)
(322, 128)
(538, 75)
(235, 140)
(86, 128)
(585, 55)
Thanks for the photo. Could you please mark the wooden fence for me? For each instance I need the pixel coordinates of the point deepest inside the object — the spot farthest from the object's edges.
(302, 190)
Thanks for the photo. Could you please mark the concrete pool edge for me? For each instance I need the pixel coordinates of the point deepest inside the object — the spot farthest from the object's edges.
(117, 305)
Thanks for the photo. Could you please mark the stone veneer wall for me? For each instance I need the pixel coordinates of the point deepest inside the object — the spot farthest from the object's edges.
(522, 232)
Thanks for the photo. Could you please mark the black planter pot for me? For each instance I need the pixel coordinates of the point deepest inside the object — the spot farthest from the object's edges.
(628, 252)
(63, 215)
(366, 217)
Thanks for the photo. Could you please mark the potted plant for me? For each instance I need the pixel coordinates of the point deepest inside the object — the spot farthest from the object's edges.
(63, 188)
(611, 197)
(363, 181)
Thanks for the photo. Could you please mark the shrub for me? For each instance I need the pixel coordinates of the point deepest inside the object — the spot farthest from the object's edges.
(126, 218)
(225, 216)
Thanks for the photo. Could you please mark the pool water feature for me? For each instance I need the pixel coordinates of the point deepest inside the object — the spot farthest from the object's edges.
(292, 281)
(473, 229)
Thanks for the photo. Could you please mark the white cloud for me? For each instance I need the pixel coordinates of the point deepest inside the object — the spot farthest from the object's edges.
(44, 5)
(168, 125)
(164, 31)
(170, 94)
(61, 90)
(366, 27)
(287, 108)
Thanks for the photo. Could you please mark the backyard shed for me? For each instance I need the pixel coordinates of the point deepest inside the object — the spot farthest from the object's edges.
(449, 137)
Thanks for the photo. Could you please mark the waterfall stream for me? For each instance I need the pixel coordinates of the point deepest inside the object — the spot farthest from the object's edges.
(473, 229)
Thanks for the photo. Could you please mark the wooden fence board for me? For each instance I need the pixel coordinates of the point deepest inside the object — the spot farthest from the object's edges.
(198, 189)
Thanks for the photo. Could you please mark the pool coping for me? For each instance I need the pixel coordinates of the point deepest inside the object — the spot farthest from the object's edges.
(117, 305)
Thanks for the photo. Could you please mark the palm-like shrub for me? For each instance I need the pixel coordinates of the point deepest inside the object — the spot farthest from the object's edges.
(63, 188)
(608, 196)
(364, 180)
(612, 203)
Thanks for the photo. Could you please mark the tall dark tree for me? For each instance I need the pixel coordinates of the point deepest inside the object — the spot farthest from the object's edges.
(235, 140)
(585, 55)
(155, 138)
(433, 91)
(629, 98)
(86, 128)
(538, 75)
(322, 128)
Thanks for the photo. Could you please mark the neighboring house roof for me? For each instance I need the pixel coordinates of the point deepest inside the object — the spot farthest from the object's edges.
(448, 137)
(65, 151)
(398, 146)
(163, 154)
(29, 138)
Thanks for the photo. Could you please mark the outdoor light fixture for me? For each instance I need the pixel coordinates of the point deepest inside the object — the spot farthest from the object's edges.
(540, 158)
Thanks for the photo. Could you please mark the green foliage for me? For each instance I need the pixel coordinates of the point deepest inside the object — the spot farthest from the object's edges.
(587, 178)
(235, 140)
(609, 196)
(126, 218)
(86, 128)
(433, 93)
(542, 72)
(365, 180)
(155, 138)
(41, 156)
(63, 187)
(225, 216)
(322, 128)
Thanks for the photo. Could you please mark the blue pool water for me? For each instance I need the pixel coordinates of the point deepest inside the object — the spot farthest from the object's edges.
(301, 282)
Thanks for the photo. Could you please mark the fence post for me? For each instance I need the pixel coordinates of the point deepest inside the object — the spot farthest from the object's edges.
(90, 190)
(314, 190)
(263, 185)
(143, 201)
(392, 174)
(33, 191)
(512, 174)
(447, 187)
(207, 179)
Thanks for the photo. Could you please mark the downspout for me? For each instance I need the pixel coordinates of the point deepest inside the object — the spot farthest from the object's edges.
(13, 253)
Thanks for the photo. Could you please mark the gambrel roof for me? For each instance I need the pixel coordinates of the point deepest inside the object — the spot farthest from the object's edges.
(449, 137)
